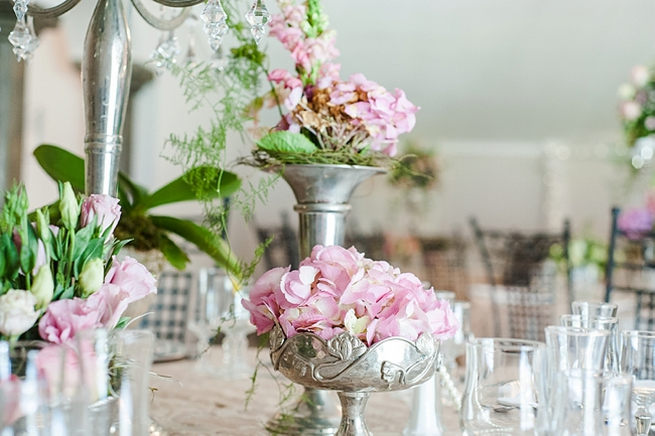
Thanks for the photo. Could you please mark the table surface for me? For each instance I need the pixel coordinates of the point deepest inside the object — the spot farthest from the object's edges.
(187, 400)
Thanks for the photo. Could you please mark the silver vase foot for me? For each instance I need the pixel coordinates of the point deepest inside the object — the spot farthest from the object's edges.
(316, 414)
(352, 421)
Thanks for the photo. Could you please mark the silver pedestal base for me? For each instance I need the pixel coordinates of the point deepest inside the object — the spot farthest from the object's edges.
(316, 414)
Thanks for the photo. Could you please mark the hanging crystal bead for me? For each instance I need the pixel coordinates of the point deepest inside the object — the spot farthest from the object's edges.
(23, 40)
(257, 17)
(20, 8)
(215, 20)
(165, 52)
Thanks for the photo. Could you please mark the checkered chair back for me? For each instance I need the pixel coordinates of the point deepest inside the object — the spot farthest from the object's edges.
(170, 311)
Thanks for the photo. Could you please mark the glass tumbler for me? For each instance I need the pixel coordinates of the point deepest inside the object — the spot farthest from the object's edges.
(504, 390)
(591, 403)
(638, 361)
(593, 309)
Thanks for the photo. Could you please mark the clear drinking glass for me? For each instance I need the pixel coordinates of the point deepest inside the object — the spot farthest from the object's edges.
(219, 309)
(591, 403)
(593, 309)
(638, 361)
(570, 320)
(504, 391)
(130, 369)
(576, 348)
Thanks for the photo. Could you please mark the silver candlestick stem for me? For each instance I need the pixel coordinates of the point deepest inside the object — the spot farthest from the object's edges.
(106, 74)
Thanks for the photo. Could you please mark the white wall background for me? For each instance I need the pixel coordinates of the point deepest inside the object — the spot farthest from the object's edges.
(515, 94)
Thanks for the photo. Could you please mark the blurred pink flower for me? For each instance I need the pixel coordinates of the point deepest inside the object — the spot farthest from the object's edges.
(635, 222)
(104, 208)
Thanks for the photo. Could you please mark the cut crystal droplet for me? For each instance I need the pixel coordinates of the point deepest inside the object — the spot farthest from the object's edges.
(165, 52)
(215, 20)
(20, 8)
(23, 40)
(258, 16)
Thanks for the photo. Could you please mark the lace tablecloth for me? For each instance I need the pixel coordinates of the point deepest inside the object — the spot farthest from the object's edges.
(187, 401)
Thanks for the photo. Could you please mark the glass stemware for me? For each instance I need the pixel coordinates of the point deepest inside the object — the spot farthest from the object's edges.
(638, 361)
(504, 391)
(219, 309)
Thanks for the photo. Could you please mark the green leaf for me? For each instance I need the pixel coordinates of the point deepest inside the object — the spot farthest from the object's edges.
(61, 165)
(122, 322)
(205, 240)
(3, 262)
(93, 249)
(11, 254)
(172, 252)
(286, 141)
(202, 182)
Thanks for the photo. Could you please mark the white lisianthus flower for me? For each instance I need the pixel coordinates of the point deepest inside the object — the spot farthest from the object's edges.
(627, 91)
(17, 313)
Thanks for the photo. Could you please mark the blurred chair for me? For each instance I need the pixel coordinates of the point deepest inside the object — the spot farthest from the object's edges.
(630, 272)
(372, 244)
(444, 261)
(170, 314)
(521, 281)
(283, 249)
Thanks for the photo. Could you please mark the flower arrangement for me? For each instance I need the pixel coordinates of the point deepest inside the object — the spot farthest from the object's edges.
(582, 252)
(337, 289)
(327, 119)
(637, 111)
(59, 274)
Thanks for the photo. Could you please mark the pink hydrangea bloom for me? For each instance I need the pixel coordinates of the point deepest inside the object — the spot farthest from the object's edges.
(337, 289)
(104, 208)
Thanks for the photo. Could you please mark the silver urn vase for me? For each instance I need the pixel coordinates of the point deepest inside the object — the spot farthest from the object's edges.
(322, 194)
(346, 365)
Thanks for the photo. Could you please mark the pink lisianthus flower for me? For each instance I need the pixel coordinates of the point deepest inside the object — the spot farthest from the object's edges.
(636, 222)
(64, 318)
(131, 277)
(336, 290)
(104, 208)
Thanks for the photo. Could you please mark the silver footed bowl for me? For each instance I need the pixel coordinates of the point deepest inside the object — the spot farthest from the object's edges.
(345, 364)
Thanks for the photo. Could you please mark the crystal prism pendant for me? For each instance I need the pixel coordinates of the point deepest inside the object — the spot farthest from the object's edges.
(165, 52)
(23, 40)
(20, 8)
(257, 17)
(215, 20)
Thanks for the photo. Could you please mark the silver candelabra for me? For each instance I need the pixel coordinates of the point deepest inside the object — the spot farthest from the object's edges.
(107, 67)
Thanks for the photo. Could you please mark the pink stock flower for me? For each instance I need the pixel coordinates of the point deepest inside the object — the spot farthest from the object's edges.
(104, 208)
(336, 290)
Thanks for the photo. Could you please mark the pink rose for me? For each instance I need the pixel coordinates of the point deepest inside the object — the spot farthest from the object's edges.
(64, 318)
(103, 208)
(131, 277)
(111, 301)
